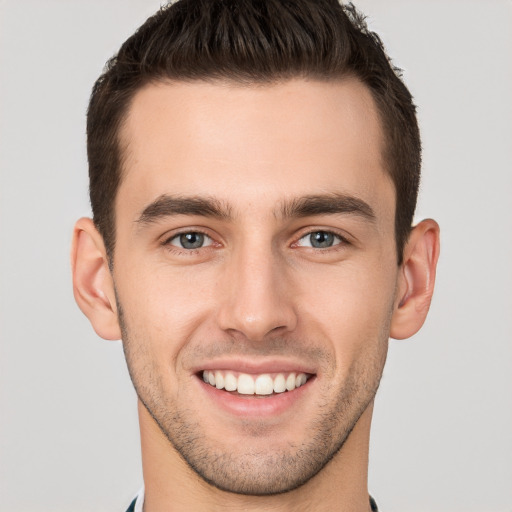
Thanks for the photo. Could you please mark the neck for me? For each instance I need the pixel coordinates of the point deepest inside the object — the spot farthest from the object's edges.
(171, 485)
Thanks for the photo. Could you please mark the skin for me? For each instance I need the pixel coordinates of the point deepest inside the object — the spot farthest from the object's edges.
(257, 296)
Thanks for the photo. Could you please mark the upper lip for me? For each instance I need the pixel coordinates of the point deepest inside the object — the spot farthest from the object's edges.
(255, 366)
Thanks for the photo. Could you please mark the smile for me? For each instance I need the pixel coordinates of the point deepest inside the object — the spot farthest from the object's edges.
(261, 384)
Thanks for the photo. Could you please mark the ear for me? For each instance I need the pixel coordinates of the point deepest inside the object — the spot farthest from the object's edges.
(93, 286)
(416, 280)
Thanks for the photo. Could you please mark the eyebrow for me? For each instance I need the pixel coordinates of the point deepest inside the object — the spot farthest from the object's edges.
(327, 204)
(320, 204)
(167, 206)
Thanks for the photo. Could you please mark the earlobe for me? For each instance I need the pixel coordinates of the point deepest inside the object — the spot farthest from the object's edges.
(93, 287)
(416, 280)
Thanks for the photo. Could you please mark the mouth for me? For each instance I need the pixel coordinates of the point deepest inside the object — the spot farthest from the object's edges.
(255, 390)
(261, 385)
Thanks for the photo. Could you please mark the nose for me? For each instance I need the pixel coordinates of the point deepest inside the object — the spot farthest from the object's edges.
(257, 295)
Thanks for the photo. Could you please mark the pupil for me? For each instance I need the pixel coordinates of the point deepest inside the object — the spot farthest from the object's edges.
(191, 240)
(321, 239)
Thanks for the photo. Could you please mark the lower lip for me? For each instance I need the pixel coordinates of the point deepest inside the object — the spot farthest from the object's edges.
(256, 405)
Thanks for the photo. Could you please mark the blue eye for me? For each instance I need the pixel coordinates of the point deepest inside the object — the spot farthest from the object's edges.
(191, 240)
(320, 240)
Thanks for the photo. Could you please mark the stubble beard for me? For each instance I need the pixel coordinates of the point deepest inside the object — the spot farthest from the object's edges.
(253, 472)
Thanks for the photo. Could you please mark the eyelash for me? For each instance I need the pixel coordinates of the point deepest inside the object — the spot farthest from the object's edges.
(342, 241)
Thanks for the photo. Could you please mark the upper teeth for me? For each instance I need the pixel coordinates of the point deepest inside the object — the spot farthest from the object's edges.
(246, 384)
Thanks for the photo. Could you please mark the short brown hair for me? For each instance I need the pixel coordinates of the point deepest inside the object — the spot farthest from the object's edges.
(251, 41)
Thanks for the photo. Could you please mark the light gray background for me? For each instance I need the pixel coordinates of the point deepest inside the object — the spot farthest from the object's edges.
(442, 436)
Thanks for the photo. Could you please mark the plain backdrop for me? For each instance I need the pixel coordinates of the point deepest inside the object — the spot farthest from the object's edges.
(442, 432)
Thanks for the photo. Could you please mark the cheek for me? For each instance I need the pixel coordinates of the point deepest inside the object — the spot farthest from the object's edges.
(353, 310)
(162, 306)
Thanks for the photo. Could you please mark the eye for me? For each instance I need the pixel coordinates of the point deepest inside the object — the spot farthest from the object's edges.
(190, 240)
(320, 240)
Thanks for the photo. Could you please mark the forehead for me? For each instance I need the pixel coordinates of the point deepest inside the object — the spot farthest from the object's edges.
(253, 145)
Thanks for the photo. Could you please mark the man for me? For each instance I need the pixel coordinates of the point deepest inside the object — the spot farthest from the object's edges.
(254, 168)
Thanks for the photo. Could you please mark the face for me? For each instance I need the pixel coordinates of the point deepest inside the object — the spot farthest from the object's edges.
(255, 272)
